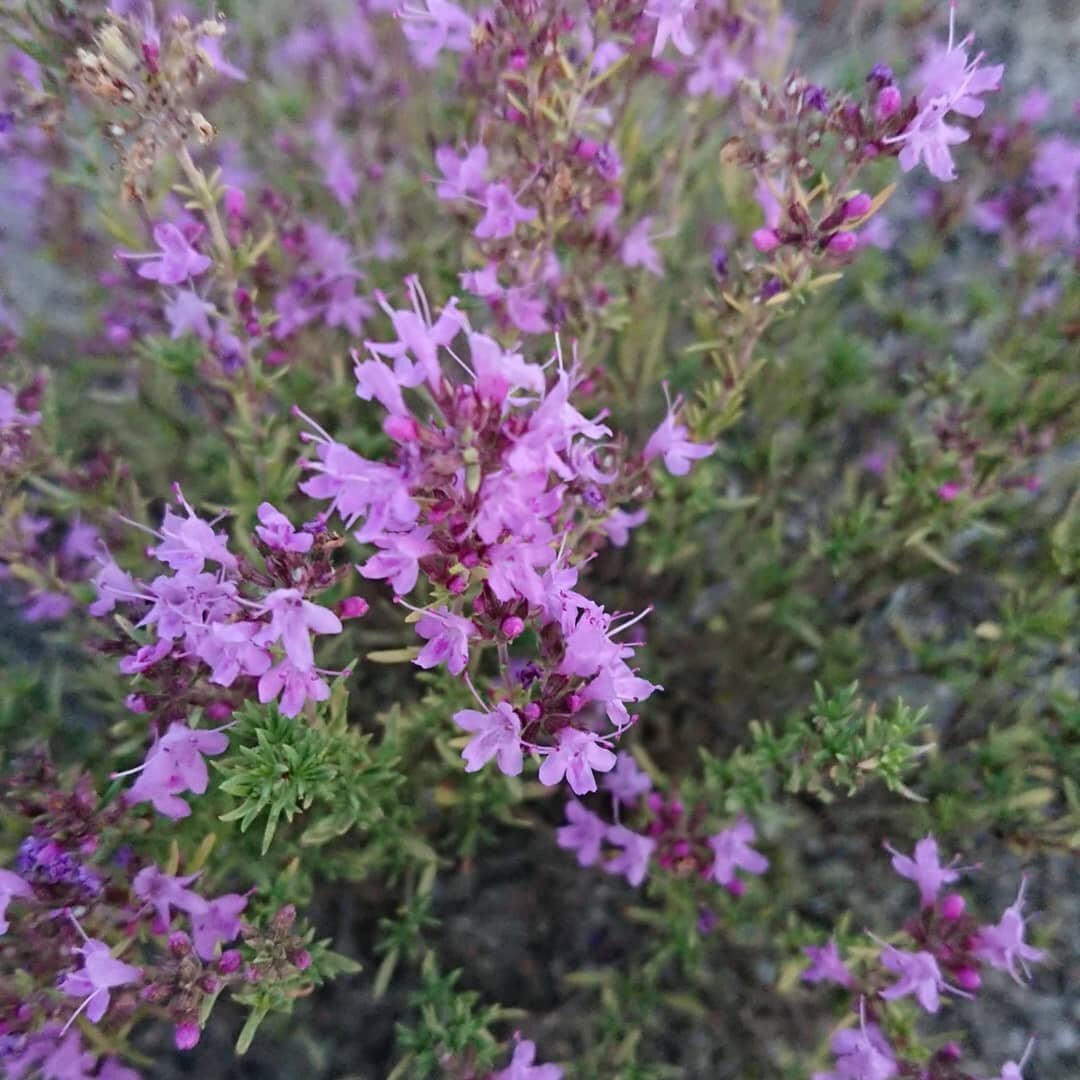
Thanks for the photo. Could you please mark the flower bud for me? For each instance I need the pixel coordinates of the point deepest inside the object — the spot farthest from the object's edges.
(842, 243)
(136, 703)
(402, 429)
(512, 627)
(219, 710)
(302, 960)
(952, 907)
(229, 961)
(353, 607)
(857, 205)
(179, 943)
(888, 103)
(765, 240)
(186, 1035)
(967, 978)
(532, 711)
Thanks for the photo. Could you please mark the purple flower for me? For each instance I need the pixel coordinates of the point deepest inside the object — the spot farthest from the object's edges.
(163, 892)
(576, 755)
(462, 176)
(924, 869)
(400, 559)
(637, 248)
(100, 973)
(502, 213)
(670, 440)
(620, 522)
(189, 313)
(1013, 1070)
(295, 685)
(948, 84)
(862, 1054)
(292, 622)
(447, 638)
(217, 923)
(176, 260)
(188, 542)
(276, 531)
(437, 25)
(919, 975)
(496, 735)
(1003, 946)
(633, 863)
(173, 765)
(826, 965)
(12, 887)
(732, 851)
(583, 835)
(626, 781)
(671, 16)
(521, 1066)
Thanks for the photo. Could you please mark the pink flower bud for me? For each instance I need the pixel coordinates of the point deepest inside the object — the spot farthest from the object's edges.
(402, 429)
(187, 1035)
(951, 1052)
(952, 907)
(574, 703)
(842, 243)
(736, 886)
(219, 710)
(229, 962)
(136, 703)
(532, 711)
(302, 960)
(949, 491)
(512, 627)
(353, 607)
(179, 943)
(458, 584)
(765, 240)
(235, 202)
(888, 103)
(967, 978)
(586, 149)
(857, 205)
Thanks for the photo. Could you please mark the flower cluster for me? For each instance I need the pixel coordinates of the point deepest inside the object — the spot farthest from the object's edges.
(93, 923)
(945, 952)
(216, 636)
(497, 492)
(676, 840)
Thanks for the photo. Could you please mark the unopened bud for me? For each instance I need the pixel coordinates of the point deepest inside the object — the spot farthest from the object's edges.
(888, 103)
(765, 240)
(512, 627)
(186, 1036)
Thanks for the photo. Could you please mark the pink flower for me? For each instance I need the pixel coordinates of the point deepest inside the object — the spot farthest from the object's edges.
(174, 765)
(826, 965)
(496, 735)
(670, 440)
(919, 975)
(276, 531)
(862, 1054)
(218, 922)
(187, 543)
(437, 25)
(620, 522)
(626, 781)
(924, 868)
(671, 16)
(583, 834)
(400, 559)
(637, 248)
(1003, 946)
(164, 892)
(189, 313)
(292, 622)
(948, 84)
(732, 851)
(100, 973)
(633, 863)
(296, 686)
(176, 261)
(463, 176)
(447, 637)
(12, 887)
(521, 1066)
(502, 213)
(576, 755)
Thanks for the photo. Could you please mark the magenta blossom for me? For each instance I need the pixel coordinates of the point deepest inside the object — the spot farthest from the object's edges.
(732, 851)
(671, 440)
(176, 261)
(218, 922)
(919, 975)
(462, 176)
(826, 965)
(101, 972)
(576, 755)
(163, 892)
(924, 868)
(521, 1066)
(276, 531)
(502, 213)
(633, 862)
(295, 685)
(292, 622)
(583, 834)
(496, 735)
(447, 637)
(1003, 946)
(174, 764)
